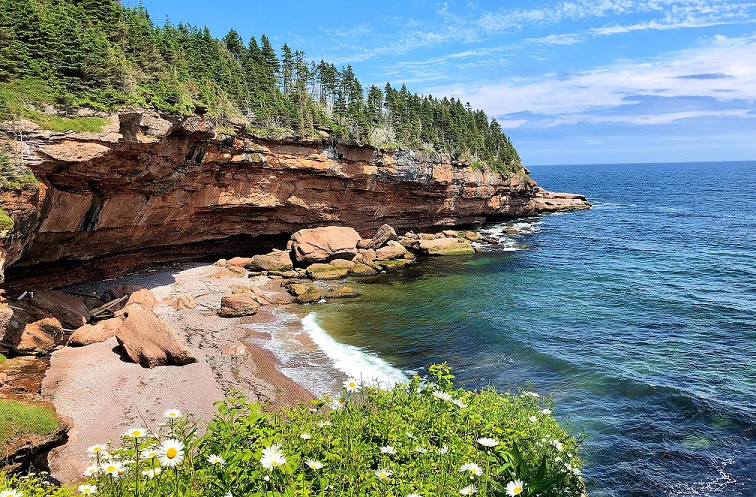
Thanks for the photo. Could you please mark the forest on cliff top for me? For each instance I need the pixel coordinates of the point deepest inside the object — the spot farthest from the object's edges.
(100, 54)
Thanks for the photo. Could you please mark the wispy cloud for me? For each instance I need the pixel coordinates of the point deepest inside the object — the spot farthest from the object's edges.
(601, 94)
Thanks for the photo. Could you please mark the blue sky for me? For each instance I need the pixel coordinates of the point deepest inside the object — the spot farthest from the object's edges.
(578, 81)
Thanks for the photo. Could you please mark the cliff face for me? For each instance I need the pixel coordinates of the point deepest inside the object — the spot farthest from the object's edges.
(148, 189)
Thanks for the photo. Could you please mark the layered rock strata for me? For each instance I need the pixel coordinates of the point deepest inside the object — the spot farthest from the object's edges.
(150, 189)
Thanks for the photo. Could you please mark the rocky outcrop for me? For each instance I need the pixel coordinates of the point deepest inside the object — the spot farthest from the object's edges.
(150, 189)
(324, 244)
(40, 337)
(446, 246)
(233, 306)
(278, 260)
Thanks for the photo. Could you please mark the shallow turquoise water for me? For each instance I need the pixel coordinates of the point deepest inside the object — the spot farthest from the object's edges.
(638, 315)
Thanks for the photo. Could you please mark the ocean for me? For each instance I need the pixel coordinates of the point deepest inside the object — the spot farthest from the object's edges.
(638, 317)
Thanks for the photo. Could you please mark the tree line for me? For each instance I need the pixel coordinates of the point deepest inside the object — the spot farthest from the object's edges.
(103, 55)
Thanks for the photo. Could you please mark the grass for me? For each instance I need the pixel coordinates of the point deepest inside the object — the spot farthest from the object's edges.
(62, 124)
(18, 419)
(2, 359)
(6, 226)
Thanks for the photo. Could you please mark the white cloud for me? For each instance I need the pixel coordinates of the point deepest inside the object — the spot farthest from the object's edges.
(584, 95)
(560, 39)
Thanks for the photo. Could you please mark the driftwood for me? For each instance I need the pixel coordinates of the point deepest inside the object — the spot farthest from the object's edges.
(107, 311)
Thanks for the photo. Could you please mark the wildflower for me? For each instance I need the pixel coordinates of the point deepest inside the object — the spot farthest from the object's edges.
(272, 457)
(409, 435)
(340, 402)
(383, 474)
(442, 395)
(135, 433)
(352, 385)
(11, 493)
(388, 450)
(313, 464)
(468, 490)
(87, 489)
(228, 494)
(471, 468)
(531, 394)
(514, 488)
(459, 403)
(91, 471)
(557, 459)
(112, 468)
(96, 449)
(443, 450)
(546, 411)
(488, 442)
(150, 453)
(323, 424)
(151, 473)
(557, 445)
(414, 495)
(576, 472)
(215, 459)
(533, 419)
(420, 450)
(305, 436)
(172, 414)
(171, 453)
(122, 471)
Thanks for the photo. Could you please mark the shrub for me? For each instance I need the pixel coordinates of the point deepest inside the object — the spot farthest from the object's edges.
(423, 438)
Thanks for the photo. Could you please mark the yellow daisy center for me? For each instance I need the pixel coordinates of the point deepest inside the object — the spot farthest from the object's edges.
(171, 453)
(517, 490)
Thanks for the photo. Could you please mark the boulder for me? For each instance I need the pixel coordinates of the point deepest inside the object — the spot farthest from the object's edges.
(450, 233)
(143, 297)
(324, 244)
(393, 265)
(427, 236)
(70, 310)
(94, 333)
(362, 270)
(472, 236)
(312, 294)
(394, 250)
(229, 272)
(339, 292)
(241, 290)
(278, 260)
(234, 306)
(368, 255)
(342, 263)
(446, 246)
(384, 234)
(365, 243)
(40, 337)
(122, 291)
(239, 261)
(326, 272)
(148, 340)
(297, 289)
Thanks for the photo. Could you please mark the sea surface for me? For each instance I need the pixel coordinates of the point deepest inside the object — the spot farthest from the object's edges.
(638, 316)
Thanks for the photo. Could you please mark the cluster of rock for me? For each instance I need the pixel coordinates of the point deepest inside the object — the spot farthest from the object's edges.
(37, 324)
(319, 255)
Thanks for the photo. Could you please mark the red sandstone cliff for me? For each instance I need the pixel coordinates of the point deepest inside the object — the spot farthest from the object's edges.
(149, 189)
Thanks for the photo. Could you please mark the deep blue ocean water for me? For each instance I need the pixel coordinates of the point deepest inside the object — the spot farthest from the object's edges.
(639, 316)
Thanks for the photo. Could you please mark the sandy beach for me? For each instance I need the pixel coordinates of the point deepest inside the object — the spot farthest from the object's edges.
(105, 394)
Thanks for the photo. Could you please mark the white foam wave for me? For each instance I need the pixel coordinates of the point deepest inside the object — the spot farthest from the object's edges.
(353, 361)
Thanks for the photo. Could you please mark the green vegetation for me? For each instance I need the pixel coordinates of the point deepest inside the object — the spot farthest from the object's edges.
(18, 419)
(2, 359)
(6, 226)
(424, 438)
(102, 55)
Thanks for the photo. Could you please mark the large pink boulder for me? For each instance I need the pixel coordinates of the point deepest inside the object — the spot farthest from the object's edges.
(94, 333)
(70, 310)
(148, 340)
(324, 244)
(40, 337)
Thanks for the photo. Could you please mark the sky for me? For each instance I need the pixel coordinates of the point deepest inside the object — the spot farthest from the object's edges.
(579, 81)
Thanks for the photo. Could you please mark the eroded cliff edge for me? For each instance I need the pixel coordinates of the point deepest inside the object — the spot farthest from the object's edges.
(150, 189)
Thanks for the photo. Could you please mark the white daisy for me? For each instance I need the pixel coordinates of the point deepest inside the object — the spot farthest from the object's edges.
(305, 436)
(352, 385)
(533, 419)
(313, 464)
(172, 414)
(488, 442)
(443, 450)
(96, 449)
(546, 411)
(414, 495)
(383, 474)
(11, 493)
(151, 473)
(215, 459)
(557, 445)
(171, 453)
(468, 490)
(471, 468)
(531, 394)
(323, 424)
(91, 471)
(388, 450)
(272, 457)
(340, 402)
(442, 395)
(420, 450)
(87, 489)
(112, 468)
(135, 433)
(150, 453)
(459, 403)
(514, 488)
